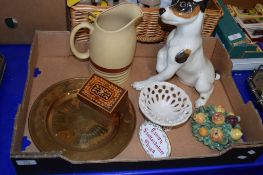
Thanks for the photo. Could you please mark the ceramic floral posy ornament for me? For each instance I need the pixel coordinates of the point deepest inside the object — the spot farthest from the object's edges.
(183, 52)
(215, 127)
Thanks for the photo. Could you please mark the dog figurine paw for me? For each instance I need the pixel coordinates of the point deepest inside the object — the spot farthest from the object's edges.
(183, 52)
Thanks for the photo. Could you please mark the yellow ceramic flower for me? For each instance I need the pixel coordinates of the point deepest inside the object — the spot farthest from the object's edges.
(200, 118)
(203, 131)
(216, 134)
(236, 133)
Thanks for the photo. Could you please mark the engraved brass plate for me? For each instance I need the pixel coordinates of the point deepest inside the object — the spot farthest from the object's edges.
(59, 121)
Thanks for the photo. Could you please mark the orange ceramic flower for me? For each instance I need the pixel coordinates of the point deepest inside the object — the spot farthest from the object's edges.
(218, 118)
(216, 134)
(200, 118)
(203, 131)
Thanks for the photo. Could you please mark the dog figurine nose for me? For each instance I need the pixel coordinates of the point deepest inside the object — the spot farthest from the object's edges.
(161, 11)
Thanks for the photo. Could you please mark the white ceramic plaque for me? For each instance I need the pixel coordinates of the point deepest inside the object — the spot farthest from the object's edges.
(154, 140)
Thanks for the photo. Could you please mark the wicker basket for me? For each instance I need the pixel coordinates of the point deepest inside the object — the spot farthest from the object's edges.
(150, 29)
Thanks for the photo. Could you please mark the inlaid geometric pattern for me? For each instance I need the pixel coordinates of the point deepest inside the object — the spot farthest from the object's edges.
(102, 93)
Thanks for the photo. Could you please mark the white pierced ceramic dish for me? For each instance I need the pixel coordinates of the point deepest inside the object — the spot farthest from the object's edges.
(165, 104)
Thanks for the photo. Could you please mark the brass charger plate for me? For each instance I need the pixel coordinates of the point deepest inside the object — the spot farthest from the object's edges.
(59, 121)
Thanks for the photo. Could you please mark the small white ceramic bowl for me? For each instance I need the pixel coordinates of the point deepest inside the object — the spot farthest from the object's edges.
(165, 104)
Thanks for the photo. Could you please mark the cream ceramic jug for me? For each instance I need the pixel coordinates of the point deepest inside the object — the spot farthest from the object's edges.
(112, 41)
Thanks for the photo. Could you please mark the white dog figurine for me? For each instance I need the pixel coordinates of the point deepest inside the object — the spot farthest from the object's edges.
(183, 52)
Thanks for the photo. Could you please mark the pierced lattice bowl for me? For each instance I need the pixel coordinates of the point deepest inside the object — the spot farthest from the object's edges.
(165, 104)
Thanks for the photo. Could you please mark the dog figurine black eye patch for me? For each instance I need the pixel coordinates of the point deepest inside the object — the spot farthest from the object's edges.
(188, 6)
(184, 6)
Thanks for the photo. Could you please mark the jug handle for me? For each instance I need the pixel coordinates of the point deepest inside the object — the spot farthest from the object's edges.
(80, 55)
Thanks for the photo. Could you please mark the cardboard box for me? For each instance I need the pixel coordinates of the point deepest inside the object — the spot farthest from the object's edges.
(232, 35)
(20, 19)
(50, 53)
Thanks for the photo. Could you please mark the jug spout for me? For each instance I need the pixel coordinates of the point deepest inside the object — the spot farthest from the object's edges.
(132, 12)
(119, 16)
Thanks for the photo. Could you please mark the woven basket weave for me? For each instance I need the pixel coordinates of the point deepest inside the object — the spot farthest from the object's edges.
(150, 29)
